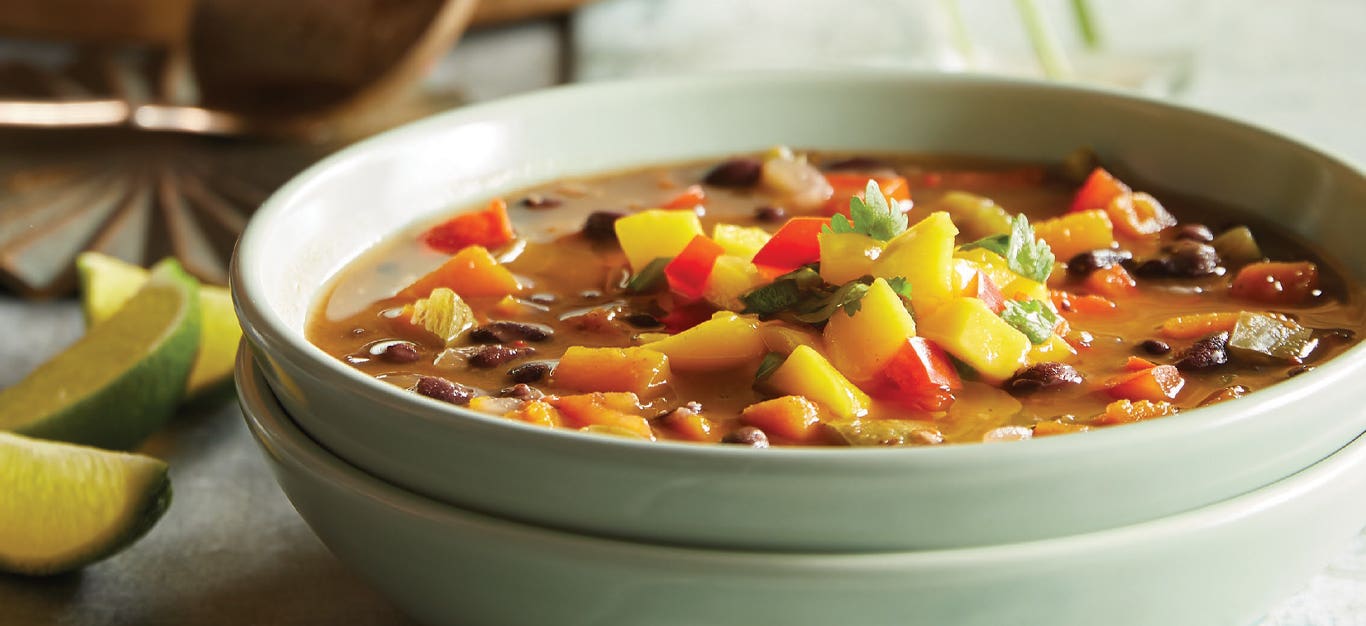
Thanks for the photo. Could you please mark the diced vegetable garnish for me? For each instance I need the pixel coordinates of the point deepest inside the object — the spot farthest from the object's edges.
(1266, 336)
(981, 286)
(794, 245)
(731, 278)
(489, 228)
(847, 256)
(968, 330)
(688, 272)
(1031, 317)
(741, 241)
(861, 344)
(648, 235)
(870, 214)
(976, 216)
(1277, 283)
(1074, 233)
(442, 314)
(649, 278)
(921, 376)
(1053, 349)
(472, 272)
(1099, 190)
(807, 373)
(637, 370)
(618, 412)
(1024, 253)
(726, 340)
(923, 255)
(790, 417)
(848, 187)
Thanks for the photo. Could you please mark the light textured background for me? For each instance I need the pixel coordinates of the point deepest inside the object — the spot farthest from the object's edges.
(232, 551)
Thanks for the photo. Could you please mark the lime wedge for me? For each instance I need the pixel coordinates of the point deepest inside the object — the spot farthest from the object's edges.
(120, 382)
(68, 506)
(106, 285)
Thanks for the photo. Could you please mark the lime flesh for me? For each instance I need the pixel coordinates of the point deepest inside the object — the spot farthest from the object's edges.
(123, 380)
(107, 283)
(66, 506)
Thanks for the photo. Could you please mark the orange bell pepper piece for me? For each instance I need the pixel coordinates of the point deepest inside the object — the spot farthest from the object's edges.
(489, 228)
(688, 272)
(471, 272)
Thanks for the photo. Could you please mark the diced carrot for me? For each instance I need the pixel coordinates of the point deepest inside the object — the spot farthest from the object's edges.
(635, 369)
(603, 409)
(1277, 283)
(471, 272)
(1139, 215)
(1067, 302)
(792, 418)
(1196, 325)
(691, 197)
(1136, 364)
(794, 245)
(1098, 191)
(1113, 282)
(538, 412)
(1058, 427)
(850, 184)
(981, 286)
(691, 426)
(688, 272)
(921, 376)
(1125, 411)
(489, 228)
(1158, 383)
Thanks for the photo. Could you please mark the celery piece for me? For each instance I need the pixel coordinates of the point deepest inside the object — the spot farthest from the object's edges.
(443, 314)
(1237, 246)
(1262, 336)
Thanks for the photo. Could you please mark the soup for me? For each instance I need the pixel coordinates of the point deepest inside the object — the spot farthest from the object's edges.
(822, 299)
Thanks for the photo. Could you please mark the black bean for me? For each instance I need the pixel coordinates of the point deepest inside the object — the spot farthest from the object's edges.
(740, 172)
(1192, 259)
(400, 352)
(496, 354)
(1194, 232)
(529, 372)
(443, 390)
(1085, 263)
(1155, 347)
(770, 213)
(1157, 267)
(1042, 376)
(1212, 351)
(748, 436)
(601, 225)
(538, 201)
(643, 320)
(858, 163)
(508, 332)
(521, 391)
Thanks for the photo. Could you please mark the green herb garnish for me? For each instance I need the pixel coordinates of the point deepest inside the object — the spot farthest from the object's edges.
(900, 286)
(1031, 317)
(650, 277)
(783, 293)
(1025, 254)
(848, 297)
(872, 216)
(769, 365)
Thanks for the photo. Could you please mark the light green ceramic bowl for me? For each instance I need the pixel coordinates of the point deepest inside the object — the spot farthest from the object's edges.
(1220, 565)
(795, 499)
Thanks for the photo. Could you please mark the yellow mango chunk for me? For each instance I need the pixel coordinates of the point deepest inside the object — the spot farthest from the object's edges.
(1052, 349)
(731, 277)
(726, 340)
(1012, 285)
(648, 235)
(783, 338)
(741, 241)
(860, 346)
(968, 330)
(806, 373)
(637, 370)
(924, 256)
(847, 256)
(1075, 233)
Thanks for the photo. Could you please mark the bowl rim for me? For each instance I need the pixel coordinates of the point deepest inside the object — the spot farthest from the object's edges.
(261, 323)
(281, 438)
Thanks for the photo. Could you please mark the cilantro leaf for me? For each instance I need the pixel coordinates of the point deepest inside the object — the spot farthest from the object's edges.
(1031, 317)
(900, 286)
(769, 365)
(1024, 253)
(783, 293)
(650, 277)
(848, 297)
(872, 215)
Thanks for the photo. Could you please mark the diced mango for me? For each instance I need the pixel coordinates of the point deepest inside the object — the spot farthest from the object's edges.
(731, 277)
(613, 413)
(783, 338)
(1054, 348)
(847, 256)
(793, 418)
(637, 370)
(967, 329)
(1013, 286)
(741, 241)
(471, 272)
(924, 256)
(1075, 233)
(726, 340)
(648, 235)
(807, 373)
(860, 346)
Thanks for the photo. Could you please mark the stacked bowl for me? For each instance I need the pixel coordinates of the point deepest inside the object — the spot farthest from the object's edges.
(1202, 518)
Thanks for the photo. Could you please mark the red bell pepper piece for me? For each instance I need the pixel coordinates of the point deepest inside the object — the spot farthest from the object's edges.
(848, 185)
(983, 288)
(686, 316)
(794, 245)
(489, 228)
(921, 376)
(691, 197)
(688, 272)
(1099, 189)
